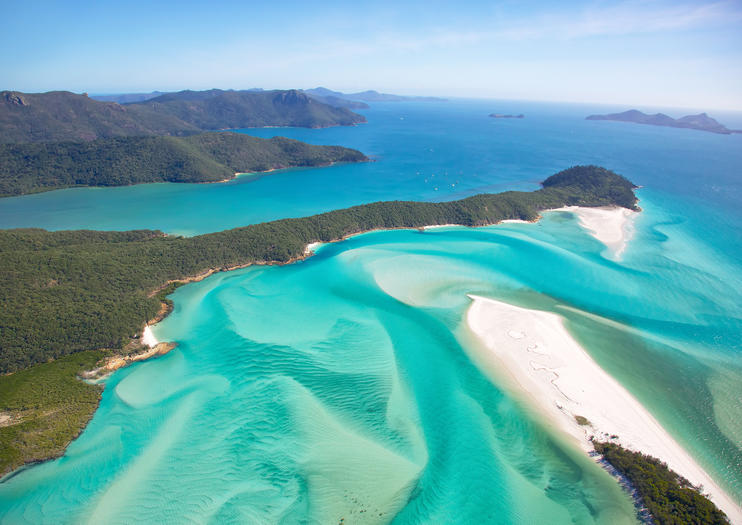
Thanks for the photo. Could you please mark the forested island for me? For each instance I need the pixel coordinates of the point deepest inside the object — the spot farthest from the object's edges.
(700, 122)
(72, 297)
(65, 116)
(120, 161)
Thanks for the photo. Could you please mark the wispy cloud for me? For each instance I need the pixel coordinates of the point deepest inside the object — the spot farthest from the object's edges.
(625, 18)
(578, 49)
(594, 20)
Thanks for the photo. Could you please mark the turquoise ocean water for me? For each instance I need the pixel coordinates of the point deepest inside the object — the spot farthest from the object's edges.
(344, 387)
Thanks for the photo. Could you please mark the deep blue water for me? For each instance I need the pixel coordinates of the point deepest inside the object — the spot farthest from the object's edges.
(423, 151)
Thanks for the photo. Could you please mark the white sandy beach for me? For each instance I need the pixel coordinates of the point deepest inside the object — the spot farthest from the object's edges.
(148, 338)
(561, 379)
(434, 226)
(514, 221)
(311, 247)
(611, 225)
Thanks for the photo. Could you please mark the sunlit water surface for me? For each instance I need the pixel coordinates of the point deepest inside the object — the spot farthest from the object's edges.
(343, 387)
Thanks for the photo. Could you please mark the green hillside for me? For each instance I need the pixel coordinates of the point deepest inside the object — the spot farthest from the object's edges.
(61, 115)
(216, 109)
(206, 157)
(65, 116)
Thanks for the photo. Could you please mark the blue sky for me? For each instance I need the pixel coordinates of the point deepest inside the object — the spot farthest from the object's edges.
(649, 53)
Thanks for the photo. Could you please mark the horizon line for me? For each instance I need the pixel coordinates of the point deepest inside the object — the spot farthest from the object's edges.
(631, 105)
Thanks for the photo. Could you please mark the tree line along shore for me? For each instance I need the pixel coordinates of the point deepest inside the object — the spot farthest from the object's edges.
(122, 161)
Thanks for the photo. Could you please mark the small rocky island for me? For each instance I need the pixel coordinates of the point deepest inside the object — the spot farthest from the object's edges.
(700, 122)
(501, 115)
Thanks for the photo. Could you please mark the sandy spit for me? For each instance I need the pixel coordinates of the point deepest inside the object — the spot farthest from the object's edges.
(611, 225)
(560, 379)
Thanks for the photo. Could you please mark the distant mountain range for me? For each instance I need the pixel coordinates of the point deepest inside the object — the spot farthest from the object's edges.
(65, 116)
(340, 102)
(321, 94)
(218, 109)
(127, 98)
(367, 96)
(701, 122)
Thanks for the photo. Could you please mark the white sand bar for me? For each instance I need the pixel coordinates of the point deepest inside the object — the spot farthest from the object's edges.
(611, 225)
(562, 381)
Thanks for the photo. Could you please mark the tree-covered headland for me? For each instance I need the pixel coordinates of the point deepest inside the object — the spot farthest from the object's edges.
(669, 498)
(121, 161)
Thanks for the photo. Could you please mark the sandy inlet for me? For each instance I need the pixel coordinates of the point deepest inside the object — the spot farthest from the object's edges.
(543, 361)
(611, 225)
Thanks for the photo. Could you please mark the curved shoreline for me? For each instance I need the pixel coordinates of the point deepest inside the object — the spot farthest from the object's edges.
(598, 222)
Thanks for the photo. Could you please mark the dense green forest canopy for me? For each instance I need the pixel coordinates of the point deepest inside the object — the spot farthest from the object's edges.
(65, 116)
(49, 406)
(69, 291)
(669, 498)
(206, 157)
(218, 109)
